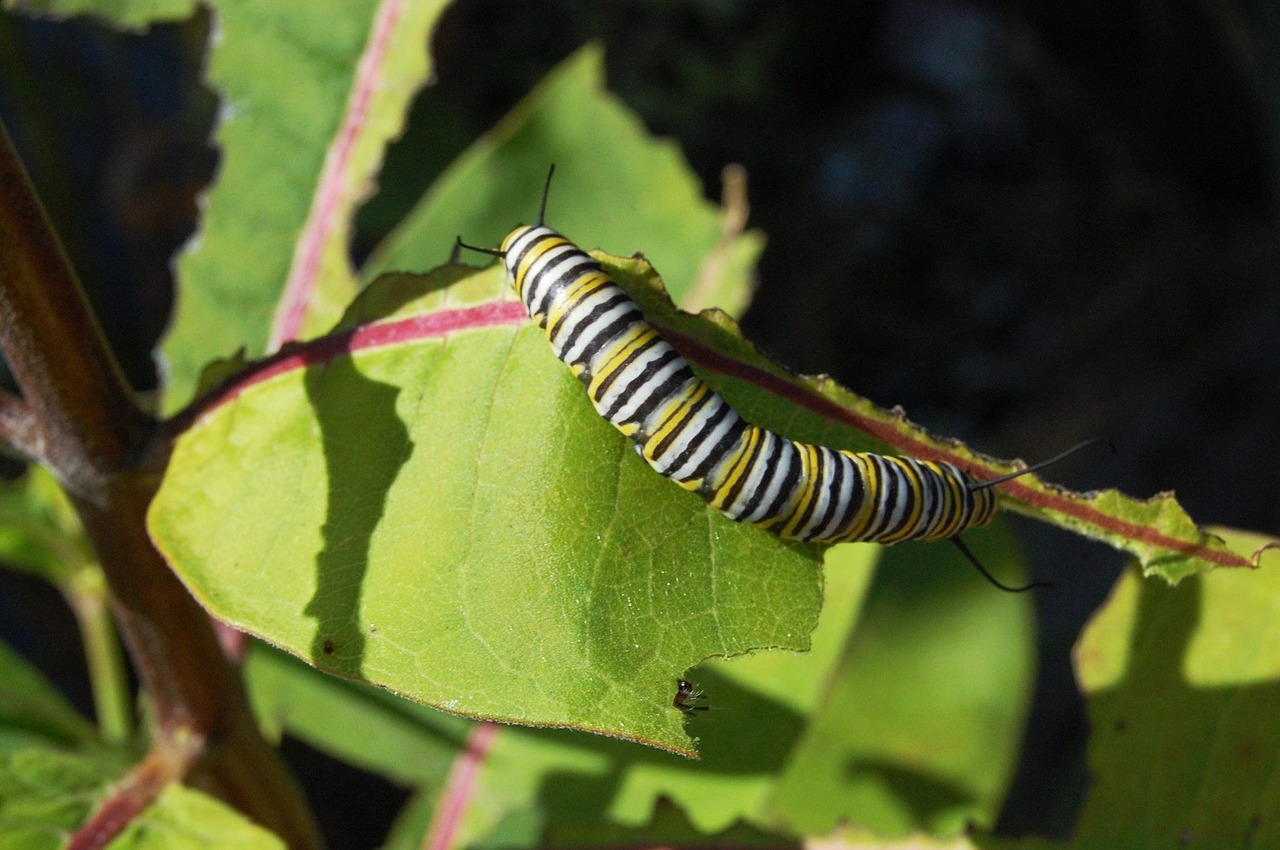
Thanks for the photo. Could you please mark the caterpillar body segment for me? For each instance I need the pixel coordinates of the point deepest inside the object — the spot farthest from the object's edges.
(688, 433)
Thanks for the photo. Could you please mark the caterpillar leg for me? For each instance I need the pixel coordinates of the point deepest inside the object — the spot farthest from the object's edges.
(973, 559)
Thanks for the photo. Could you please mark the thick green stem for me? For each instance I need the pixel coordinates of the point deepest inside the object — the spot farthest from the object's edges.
(111, 699)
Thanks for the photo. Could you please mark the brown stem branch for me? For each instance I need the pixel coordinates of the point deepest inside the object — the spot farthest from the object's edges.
(108, 454)
(90, 424)
(19, 428)
(193, 687)
(168, 761)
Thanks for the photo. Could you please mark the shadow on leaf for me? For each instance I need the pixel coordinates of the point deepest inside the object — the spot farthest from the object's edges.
(926, 796)
(1175, 762)
(365, 445)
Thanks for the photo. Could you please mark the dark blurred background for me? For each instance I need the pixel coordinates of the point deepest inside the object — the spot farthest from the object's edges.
(1026, 223)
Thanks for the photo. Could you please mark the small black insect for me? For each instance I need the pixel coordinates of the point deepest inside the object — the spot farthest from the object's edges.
(688, 699)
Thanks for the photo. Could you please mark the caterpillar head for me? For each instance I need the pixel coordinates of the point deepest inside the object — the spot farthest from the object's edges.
(524, 247)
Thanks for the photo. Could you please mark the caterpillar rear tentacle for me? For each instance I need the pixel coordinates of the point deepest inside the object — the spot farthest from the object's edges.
(689, 434)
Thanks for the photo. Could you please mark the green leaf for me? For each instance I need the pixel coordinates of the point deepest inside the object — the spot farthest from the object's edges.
(40, 532)
(920, 728)
(448, 518)
(1183, 686)
(409, 829)
(615, 186)
(33, 711)
(669, 827)
(185, 819)
(538, 784)
(760, 708)
(379, 732)
(907, 724)
(1157, 532)
(45, 796)
(312, 92)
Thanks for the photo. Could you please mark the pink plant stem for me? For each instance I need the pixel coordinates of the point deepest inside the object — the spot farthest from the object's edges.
(459, 787)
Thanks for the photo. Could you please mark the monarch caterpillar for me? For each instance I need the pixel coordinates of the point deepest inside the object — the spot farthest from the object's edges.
(641, 385)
